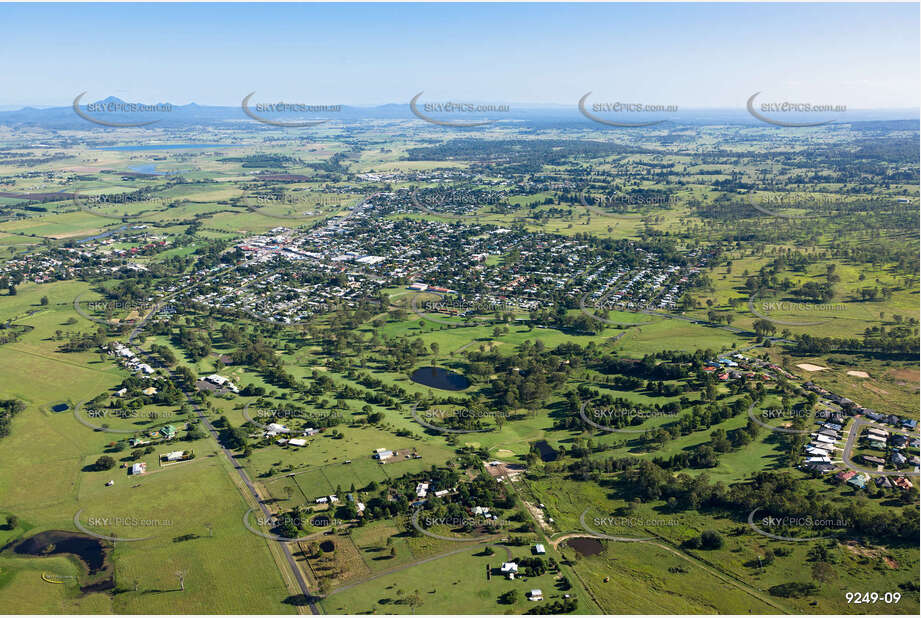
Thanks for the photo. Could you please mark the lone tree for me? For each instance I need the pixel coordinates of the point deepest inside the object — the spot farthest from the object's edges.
(104, 463)
(710, 539)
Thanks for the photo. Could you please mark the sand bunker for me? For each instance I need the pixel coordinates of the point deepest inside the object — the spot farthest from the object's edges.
(808, 367)
(858, 374)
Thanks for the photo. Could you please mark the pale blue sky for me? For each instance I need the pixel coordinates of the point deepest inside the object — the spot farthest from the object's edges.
(692, 55)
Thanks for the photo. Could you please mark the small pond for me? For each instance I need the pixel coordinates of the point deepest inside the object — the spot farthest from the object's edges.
(437, 377)
(546, 451)
(586, 546)
(88, 549)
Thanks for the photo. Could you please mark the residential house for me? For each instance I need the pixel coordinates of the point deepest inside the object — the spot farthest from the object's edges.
(273, 429)
(845, 475)
(858, 481)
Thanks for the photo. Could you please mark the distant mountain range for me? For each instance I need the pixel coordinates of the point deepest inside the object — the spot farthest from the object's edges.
(530, 115)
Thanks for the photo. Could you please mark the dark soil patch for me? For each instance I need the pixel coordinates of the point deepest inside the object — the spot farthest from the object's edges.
(586, 546)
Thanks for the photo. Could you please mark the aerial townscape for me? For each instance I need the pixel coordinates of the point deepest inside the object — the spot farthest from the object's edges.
(452, 355)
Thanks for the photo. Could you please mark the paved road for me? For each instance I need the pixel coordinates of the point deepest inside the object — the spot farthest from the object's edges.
(292, 564)
(859, 422)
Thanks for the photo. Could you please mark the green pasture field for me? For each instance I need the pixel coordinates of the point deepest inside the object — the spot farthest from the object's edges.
(324, 456)
(190, 496)
(43, 482)
(639, 578)
(737, 559)
(673, 334)
(844, 316)
(65, 221)
(22, 589)
(442, 582)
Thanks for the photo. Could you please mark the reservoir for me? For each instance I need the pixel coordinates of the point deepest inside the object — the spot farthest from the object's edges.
(436, 377)
(149, 168)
